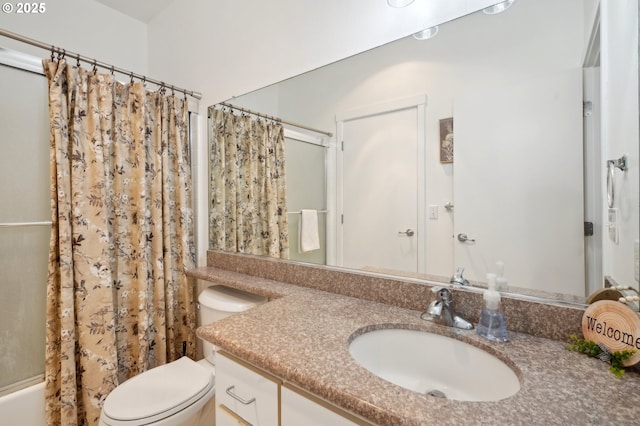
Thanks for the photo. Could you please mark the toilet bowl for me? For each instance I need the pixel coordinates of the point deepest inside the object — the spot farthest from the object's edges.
(181, 392)
(171, 394)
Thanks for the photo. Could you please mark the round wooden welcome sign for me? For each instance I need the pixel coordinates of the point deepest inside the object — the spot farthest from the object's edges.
(615, 325)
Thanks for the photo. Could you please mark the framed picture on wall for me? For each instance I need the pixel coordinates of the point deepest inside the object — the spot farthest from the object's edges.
(446, 140)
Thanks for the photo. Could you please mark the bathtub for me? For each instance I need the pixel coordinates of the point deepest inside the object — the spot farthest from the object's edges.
(24, 407)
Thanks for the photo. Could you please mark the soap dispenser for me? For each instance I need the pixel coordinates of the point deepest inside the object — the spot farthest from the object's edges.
(492, 325)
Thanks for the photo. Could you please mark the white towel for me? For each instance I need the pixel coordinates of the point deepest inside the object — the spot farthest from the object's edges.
(308, 231)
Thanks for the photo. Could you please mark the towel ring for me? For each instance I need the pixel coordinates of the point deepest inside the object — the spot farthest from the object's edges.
(610, 189)
(620, 163)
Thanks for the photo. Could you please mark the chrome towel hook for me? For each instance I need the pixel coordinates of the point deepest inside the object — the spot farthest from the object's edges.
(620, 163)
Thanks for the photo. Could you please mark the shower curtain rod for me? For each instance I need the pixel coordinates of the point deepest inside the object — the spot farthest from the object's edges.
(62, 53)
(270, 117)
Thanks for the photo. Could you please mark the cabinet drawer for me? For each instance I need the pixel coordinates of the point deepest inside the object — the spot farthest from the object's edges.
(307, 410)
(250, 395)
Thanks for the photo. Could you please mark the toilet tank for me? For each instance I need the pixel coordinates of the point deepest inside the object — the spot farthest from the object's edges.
(217, 302)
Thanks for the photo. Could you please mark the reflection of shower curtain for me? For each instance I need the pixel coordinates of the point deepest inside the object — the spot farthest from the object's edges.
(248, 212)
(119, 301)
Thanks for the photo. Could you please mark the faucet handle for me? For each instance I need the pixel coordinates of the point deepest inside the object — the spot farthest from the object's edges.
(458, 278)
(441, 310)
(443, 294)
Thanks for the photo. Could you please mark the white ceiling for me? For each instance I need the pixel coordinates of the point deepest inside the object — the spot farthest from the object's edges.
(142, 10)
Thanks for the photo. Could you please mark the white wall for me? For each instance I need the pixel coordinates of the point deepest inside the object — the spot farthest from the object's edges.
(620, 130)
(85, 27)
(224, 49)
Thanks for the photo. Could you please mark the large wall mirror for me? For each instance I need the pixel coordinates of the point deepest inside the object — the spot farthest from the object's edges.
(484, 147)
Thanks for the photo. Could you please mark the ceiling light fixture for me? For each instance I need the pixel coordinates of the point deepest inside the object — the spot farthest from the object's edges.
(498, 8)
(426, 34)
(399, 3)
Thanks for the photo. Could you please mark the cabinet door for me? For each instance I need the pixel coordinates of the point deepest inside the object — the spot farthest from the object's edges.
(253, 397)
(298, 410)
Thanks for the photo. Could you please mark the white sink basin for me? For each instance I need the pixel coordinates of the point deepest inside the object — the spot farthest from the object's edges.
(432, 364)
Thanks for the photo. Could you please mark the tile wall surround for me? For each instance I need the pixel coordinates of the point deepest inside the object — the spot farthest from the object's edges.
(540, 319)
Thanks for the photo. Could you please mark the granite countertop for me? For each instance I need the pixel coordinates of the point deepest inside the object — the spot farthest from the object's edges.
(301, 335)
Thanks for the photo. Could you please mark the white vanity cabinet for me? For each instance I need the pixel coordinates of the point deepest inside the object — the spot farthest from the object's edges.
(248, 396)
(244, 396)
(301, 410)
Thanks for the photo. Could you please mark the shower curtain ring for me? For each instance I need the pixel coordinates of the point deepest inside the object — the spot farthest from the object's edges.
(78, 60)
(95, 66)
(131, 76)
(144, 81)
(53, 51)
(112, 70)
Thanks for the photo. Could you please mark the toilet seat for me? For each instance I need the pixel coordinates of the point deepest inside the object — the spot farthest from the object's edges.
(158, 393)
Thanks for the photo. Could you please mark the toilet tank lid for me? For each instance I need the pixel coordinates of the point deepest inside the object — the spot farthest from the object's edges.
(227, 299)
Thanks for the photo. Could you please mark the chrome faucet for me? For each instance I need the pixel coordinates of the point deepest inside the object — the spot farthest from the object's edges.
(441, 311)
(458, 278)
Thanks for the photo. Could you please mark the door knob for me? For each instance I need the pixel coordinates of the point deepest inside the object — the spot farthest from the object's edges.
(408, 232)
(463, 238)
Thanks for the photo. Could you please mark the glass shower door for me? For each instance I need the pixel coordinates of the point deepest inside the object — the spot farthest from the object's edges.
(24, 226)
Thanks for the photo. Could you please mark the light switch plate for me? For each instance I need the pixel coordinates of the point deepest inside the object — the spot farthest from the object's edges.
(433, 212)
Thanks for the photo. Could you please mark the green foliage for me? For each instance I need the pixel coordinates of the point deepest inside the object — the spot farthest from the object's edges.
(592, 349)
(584, 346)
(616, 361)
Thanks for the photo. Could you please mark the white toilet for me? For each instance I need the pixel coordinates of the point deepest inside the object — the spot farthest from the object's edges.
(181, 392)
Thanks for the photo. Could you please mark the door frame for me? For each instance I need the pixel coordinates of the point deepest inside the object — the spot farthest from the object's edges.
(419, 102)
(593, 177)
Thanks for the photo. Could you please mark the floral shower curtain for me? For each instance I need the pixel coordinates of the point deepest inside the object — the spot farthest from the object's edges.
(247, 191)
(119, 301)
